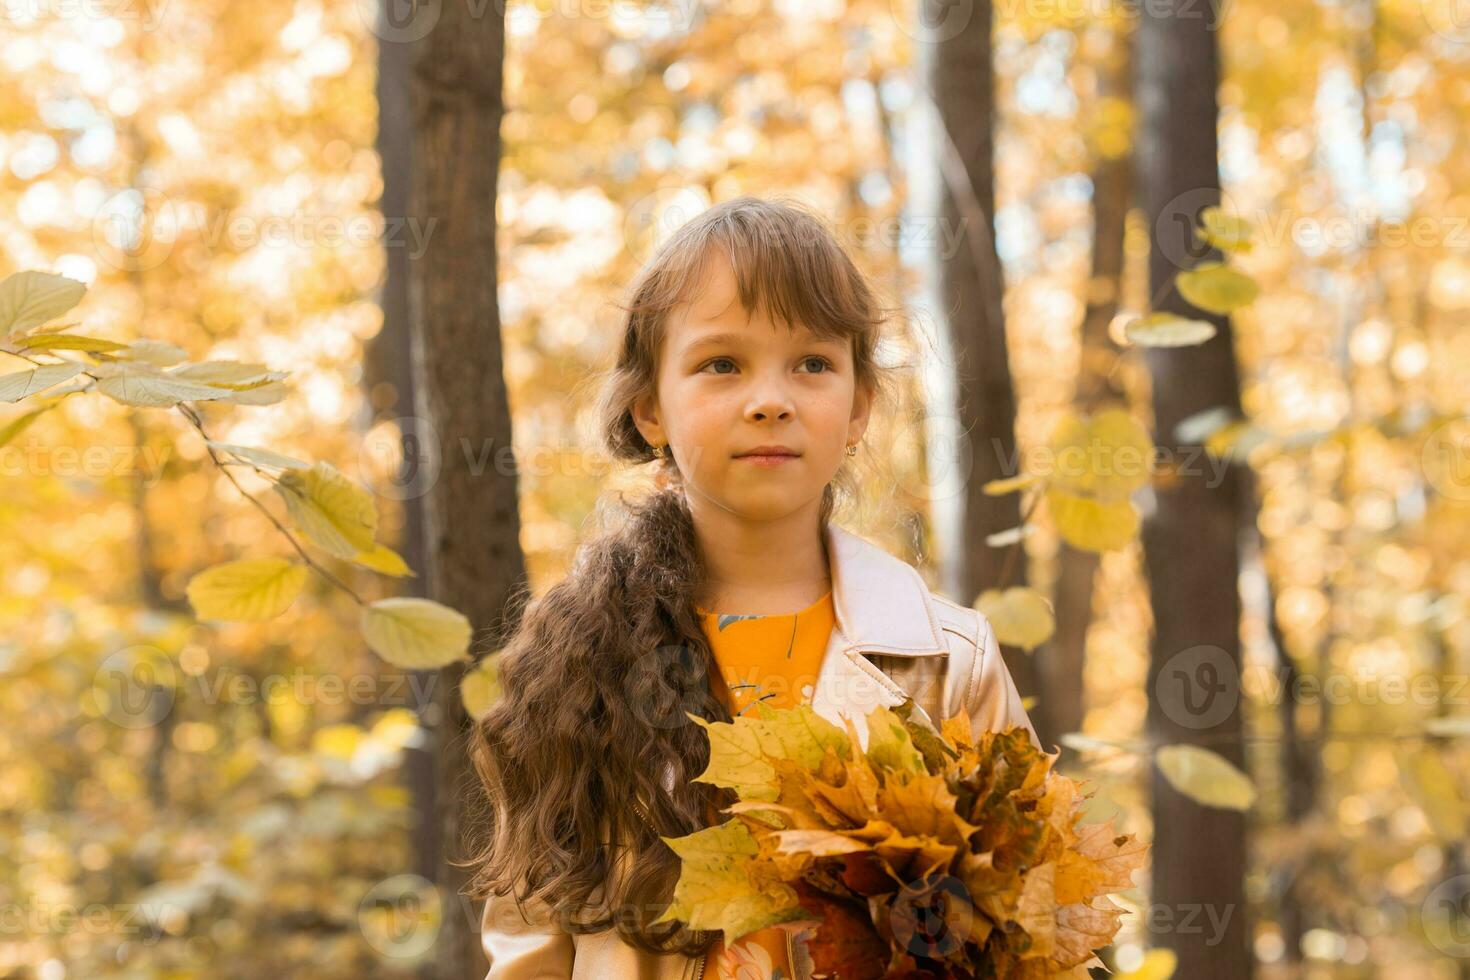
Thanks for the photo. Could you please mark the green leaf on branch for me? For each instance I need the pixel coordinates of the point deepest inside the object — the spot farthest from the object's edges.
(251, 589)
(416, 634)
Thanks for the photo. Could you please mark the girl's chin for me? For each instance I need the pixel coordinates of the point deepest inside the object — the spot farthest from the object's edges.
(770, 505)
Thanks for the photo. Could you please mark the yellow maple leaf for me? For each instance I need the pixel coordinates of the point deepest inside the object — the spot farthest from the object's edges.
(716, 888)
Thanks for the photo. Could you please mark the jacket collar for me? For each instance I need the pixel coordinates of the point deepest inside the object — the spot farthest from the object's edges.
(880, 603)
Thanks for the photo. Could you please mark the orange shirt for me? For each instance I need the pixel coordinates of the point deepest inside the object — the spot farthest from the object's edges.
(773, 659)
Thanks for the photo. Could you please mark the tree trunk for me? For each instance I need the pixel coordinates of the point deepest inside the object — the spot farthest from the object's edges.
(1190, 539)
(388, 383)
(1061, 665)
(971, 290)
(474, 562)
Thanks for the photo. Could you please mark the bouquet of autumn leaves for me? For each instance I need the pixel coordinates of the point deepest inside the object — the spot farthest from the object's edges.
(929, 855)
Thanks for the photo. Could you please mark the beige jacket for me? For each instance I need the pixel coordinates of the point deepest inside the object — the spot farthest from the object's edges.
(892, 637)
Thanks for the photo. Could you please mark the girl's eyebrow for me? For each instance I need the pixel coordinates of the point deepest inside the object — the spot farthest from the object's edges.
(735, 339)
(713, 340)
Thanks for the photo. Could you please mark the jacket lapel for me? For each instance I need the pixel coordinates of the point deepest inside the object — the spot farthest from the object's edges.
(881, 605)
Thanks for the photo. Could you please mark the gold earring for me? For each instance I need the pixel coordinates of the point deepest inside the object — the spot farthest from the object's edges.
(852, 450)
(658, 451)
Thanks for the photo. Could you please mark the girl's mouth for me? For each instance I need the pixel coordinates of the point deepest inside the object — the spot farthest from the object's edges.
(763, 460)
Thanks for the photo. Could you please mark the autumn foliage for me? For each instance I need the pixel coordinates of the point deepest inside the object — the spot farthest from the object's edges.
(925, 853)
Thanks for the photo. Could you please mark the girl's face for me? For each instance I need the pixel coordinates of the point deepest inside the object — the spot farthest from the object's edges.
(730, 382)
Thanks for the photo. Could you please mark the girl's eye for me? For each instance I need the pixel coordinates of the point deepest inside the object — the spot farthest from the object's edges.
(718, 360)
(826, 365)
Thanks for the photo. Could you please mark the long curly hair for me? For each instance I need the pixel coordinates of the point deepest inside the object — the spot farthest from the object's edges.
(587, 756)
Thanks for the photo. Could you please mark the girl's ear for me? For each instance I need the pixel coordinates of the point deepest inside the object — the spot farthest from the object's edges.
(862, 406)
(646, 418)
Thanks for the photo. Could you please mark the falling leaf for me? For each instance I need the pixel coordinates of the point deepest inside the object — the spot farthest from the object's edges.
(1226, 232)
(1020, 616)
(1091, 525)
(1009, 536)
(998, 488)
(1167, 330)
(1107, 455)
(1216, 287)
(479, 688)
(1205, 777)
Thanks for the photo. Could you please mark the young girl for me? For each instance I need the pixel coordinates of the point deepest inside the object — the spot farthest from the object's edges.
(746, 375)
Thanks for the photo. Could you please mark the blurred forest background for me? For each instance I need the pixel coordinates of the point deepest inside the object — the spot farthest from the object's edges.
(1256, 647)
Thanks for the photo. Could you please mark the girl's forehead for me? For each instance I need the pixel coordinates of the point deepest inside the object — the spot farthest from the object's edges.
(712, 291)
(711, 300)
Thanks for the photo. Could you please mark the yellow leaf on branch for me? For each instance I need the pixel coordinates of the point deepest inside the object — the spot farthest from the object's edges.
(250, 589)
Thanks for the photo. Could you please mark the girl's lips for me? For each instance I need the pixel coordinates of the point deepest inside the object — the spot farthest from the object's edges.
(767, 460)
